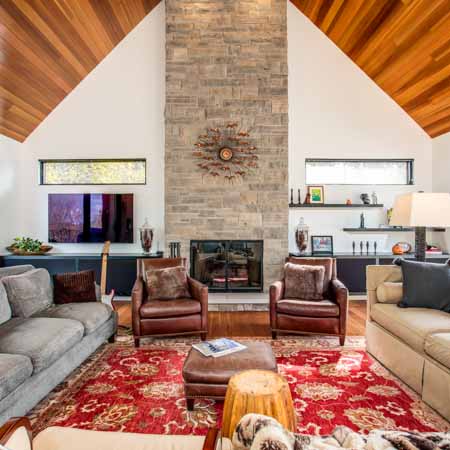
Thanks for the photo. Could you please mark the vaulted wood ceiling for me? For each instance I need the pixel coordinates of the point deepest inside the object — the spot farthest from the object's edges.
(48, 46)
(403, 45)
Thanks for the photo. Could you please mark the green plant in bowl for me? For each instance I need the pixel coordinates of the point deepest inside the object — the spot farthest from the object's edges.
(27, 245)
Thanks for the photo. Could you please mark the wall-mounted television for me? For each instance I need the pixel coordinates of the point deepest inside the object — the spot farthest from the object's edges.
(76, 218)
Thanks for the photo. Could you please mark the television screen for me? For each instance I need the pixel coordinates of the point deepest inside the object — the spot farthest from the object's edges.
(90, 218)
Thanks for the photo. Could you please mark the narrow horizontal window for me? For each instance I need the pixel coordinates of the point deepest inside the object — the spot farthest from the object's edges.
(93, 171)
(359, 171)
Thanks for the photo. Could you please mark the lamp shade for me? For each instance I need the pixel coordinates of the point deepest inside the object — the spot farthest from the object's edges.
(420, 209)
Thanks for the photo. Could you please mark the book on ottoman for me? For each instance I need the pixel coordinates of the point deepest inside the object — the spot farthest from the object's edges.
(219, 347)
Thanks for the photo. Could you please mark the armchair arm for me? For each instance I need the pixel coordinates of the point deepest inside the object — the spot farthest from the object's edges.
(276, 293)
(211, 439)
(339, 293)
(137, 298)
(18, 432)
(200, 292)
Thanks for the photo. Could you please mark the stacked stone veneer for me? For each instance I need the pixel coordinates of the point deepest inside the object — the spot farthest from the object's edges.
(227, 61)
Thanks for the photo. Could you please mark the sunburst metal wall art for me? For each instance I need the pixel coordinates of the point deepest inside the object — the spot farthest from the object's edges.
(226, 152)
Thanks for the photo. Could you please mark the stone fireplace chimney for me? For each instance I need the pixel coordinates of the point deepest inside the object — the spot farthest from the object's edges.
(226, 61)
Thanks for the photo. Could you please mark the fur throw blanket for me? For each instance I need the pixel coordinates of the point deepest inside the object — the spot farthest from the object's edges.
(258, 432)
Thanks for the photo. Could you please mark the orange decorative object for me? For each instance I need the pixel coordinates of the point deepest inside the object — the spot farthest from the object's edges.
(226, 152)
(259, 392)
(397, 249)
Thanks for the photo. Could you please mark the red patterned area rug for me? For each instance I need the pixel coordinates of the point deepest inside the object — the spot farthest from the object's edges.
(141, 390)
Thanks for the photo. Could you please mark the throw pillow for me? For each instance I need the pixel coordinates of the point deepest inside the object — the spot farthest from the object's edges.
(425, 285)
(303, 281)
(390, 292)
(29, 292)
(5, 309)
(76, 287)
(167, 284)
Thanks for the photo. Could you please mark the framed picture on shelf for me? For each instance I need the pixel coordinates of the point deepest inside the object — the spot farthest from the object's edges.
(316, 194)
(322, 245)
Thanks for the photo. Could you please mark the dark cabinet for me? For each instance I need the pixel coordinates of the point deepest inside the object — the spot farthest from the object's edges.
(352, 272)
(121, 267)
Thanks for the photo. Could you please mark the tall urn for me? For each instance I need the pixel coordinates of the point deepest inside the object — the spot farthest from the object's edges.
(146, 233)
(302, 236)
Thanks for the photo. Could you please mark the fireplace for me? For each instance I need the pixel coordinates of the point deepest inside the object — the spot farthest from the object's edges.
(228, 265)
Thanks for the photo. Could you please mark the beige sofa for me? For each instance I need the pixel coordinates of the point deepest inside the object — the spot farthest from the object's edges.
(414, 343)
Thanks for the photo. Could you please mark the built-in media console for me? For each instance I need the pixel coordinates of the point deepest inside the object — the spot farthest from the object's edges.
(121, 273)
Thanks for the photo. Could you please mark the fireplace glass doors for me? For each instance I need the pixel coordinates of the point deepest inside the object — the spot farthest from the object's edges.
(228, 266)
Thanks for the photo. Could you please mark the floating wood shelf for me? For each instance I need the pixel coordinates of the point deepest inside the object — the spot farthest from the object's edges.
(387, 230)
(332, 205)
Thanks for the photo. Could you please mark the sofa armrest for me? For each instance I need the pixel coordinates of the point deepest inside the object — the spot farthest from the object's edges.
(276, 293)
(16, 433)
(199, 292)
(137, 298)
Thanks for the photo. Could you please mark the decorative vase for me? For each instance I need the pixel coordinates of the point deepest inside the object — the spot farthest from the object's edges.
(302, 236)
(146, 233)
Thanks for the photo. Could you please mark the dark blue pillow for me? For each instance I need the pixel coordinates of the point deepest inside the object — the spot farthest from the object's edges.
(425, 285)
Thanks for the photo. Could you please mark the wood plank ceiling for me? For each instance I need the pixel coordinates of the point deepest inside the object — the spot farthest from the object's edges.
(48, 46)
(403, 45)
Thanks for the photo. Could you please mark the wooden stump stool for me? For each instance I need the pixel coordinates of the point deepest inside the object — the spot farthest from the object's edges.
(259, 392)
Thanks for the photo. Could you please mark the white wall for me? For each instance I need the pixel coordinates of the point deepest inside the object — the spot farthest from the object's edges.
(336, 111)
(10, 155)
(441, 177)
(117, 111)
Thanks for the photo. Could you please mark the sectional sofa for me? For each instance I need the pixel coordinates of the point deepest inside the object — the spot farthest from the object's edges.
(39, 351)
(414, 343)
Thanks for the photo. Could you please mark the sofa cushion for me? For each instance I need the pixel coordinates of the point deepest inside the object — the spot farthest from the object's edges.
(411, 325)
(169, 283)
(43, 340)
(29, 292)
(15, 270)
(91, 315)
(308, 308)
(5, 308)
(14, 370)
(303, 281)
(438, 347)
(389, 292)
(425, 285)
(74, 287)
(153, 309)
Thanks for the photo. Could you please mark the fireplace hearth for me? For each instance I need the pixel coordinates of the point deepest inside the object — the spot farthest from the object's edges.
(228, 265)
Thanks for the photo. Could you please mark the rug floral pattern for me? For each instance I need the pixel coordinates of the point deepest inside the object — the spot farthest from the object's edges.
(141, 390)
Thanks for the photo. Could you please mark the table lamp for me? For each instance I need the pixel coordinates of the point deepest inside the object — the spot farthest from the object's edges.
(421, 210)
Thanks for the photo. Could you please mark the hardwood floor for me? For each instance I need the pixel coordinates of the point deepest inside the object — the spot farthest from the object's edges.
(253, 323)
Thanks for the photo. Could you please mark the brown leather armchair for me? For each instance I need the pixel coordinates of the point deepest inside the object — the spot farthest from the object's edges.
(168, 317)
(328, 316)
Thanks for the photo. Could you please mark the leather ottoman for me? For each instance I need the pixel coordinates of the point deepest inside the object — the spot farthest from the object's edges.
(207, 377)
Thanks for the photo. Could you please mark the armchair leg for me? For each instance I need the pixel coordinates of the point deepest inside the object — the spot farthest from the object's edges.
(274, 335)
(137, 342)
(112, 339)
(203, 336)
(190, 404)
(342, 340)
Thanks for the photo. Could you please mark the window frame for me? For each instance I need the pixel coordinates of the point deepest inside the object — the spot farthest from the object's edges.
(409, 168)
(42, 163)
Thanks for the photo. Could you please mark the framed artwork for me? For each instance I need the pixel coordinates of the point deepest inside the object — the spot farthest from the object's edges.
(316, 194)
(322, 245)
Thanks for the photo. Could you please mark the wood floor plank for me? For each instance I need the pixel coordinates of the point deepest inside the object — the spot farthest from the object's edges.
(253, 323)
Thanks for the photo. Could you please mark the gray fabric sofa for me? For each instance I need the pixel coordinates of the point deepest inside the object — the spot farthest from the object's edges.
(40, 351)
